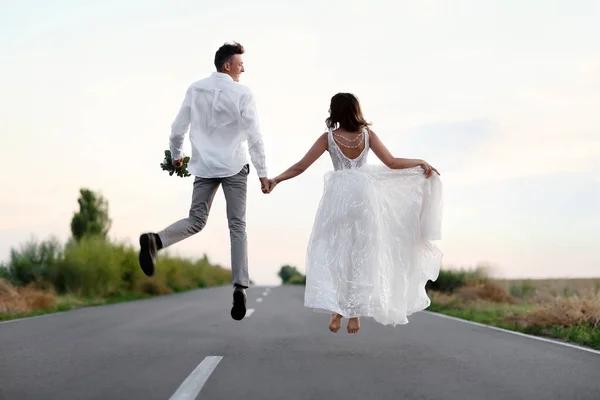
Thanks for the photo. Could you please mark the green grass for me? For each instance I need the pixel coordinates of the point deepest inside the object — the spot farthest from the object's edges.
(92, 271)
(580, 334)
(497, 314)
(483, 312)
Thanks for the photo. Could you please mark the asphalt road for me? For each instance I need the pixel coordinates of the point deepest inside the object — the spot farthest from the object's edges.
(165, 348)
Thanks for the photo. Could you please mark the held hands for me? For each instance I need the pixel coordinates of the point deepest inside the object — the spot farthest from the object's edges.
(428, 169)
(267, 185)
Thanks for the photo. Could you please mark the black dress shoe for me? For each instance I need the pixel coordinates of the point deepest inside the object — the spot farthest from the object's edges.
(148, 251)
(238, 311)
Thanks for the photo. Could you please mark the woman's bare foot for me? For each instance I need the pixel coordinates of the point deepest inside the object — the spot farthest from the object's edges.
(336, 322)
(353, 325)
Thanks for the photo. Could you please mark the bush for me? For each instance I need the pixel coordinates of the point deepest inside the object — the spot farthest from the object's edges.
(23, 300)
(564, 312)
(297, 280)
(522, 290)
(449, 281)
(94, 267)
(152, 287)
(90, 268)
(33, 261)
(4, 272)
(485, 291)
(290, 275)
(182, 274)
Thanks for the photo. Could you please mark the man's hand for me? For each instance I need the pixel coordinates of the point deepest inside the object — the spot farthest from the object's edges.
(428, 169)
(266, 185)
(178, 163)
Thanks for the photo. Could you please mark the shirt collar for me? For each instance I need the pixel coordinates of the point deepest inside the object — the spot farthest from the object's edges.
(221, 75)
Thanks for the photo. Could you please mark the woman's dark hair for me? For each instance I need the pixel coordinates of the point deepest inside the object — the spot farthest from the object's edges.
(345, 111)
(225, 53)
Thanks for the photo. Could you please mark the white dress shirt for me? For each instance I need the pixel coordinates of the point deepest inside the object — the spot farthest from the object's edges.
(221, 116)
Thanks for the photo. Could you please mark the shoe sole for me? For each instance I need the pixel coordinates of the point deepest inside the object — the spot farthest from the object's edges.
(238, 311)
(145, 258)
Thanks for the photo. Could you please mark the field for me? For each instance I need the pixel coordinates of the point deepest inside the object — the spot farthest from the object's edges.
(565, 309)
(549, 287)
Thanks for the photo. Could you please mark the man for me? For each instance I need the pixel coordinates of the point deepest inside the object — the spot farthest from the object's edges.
(221, 114)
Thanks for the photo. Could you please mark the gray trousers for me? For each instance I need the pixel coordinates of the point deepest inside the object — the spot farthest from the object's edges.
(204, 192)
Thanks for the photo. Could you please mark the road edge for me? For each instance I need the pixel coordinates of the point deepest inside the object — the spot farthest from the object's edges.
(534, 337)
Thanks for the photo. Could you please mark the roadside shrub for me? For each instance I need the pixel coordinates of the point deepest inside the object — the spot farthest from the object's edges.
(14, 300)
(33, 261)
(564, 312)
(95, 267)
(485, 291)
(297, 280)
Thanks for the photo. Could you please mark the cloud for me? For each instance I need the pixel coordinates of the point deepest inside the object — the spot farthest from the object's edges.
(444, 144)
(508, 159)
(539, 131)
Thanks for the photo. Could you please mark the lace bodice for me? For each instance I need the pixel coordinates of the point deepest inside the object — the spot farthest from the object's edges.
(339, 159)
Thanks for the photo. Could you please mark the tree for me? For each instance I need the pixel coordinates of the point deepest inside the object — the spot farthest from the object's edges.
(92, 218)
(290, 274)
(4, 272)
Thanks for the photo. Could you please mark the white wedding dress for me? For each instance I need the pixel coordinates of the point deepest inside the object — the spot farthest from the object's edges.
(370, 252)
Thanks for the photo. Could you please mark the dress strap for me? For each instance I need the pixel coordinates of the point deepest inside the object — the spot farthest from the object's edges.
(330, 138)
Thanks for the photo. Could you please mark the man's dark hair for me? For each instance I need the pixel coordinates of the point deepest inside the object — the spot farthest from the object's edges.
(225, 53)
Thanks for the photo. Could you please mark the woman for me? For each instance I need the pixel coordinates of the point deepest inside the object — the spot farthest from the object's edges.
(369, 254)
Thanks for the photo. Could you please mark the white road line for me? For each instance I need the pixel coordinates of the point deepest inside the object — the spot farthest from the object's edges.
(192, 385)
(30, 318)
(542, 339)
(265, 294)
(259, 300)
(249, 312)
(268, 290)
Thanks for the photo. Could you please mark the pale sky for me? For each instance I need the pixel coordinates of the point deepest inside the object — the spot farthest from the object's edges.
(502, 97)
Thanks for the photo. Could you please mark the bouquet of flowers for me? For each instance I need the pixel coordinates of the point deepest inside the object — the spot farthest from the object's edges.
(167, 165)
